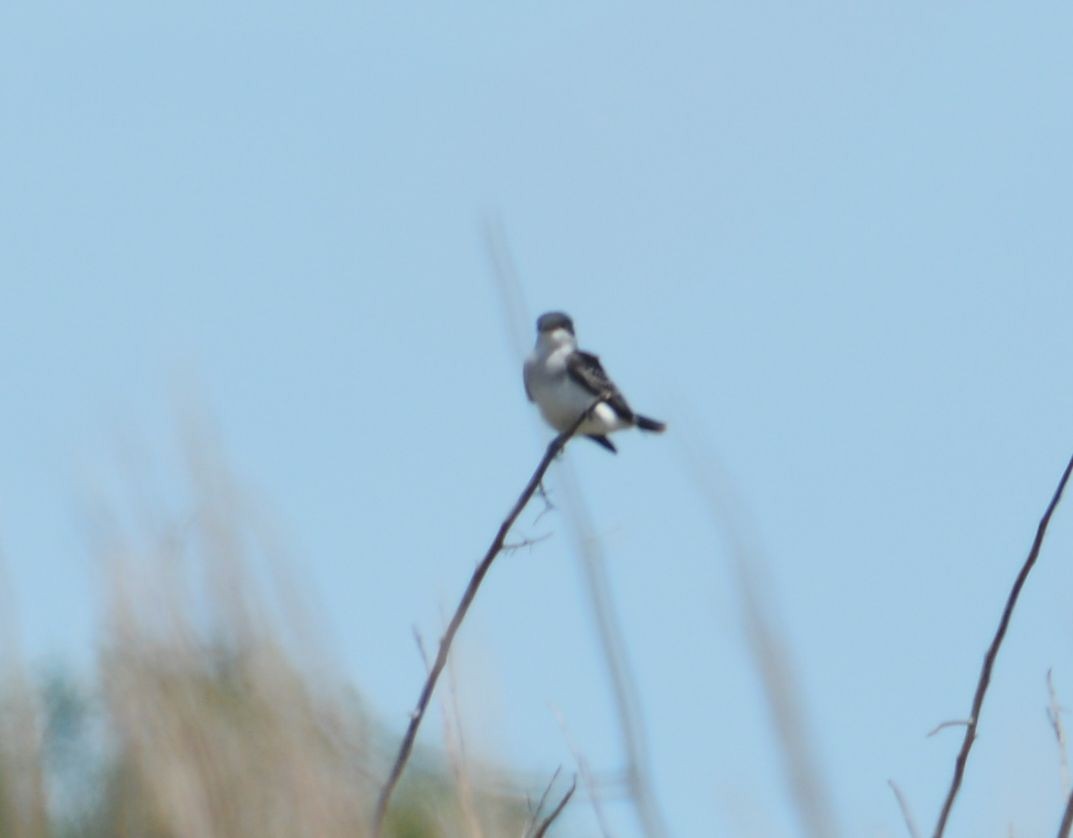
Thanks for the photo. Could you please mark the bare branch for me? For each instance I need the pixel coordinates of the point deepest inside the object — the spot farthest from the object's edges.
(558, 810)
(950, 723)
(554, 447)
(992, 652)
(903, 804)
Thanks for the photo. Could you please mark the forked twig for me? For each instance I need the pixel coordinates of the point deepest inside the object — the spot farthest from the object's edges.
(554, 447)
(992, 653)
(535, 813)
(542, 493)
(558, 810)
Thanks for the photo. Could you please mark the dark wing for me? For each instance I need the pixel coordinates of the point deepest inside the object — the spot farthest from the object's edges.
(586, 369)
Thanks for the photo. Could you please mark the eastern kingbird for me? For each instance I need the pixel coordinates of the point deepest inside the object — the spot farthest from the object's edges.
(564, 381)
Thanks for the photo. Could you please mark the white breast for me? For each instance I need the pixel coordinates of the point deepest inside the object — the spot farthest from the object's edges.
(561, 399)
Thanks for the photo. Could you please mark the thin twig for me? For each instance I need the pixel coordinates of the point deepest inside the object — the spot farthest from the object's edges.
(542, 493)
(525, 542)
(950, 723)
(903, 804)
(1067, 819)
(992, 653)
(558, 809)
(554, 447)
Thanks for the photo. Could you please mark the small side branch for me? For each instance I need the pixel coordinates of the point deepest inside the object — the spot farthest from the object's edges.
(434, 672)
(951, 723)
(992, 653)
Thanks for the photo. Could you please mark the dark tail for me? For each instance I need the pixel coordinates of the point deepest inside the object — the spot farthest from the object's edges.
(646, 424)
(604, 441)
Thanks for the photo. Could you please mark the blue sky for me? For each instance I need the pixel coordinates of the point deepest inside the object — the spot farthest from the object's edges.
(829, 243)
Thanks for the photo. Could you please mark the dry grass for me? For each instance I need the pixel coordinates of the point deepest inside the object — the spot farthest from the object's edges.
(22, 793)
(203, 717)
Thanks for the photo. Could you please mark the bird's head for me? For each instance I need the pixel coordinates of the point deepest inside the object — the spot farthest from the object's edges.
(555, 328)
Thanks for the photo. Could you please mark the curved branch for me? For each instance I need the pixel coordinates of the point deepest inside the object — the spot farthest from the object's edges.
(494, 549)
(992, 653)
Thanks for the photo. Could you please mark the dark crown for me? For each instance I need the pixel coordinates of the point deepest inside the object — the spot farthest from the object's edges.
(554, 320)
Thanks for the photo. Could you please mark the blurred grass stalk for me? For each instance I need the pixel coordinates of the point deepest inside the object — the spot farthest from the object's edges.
(624, 689)
(216, 718)
(589, 553)
(769, 649)
(22, 781)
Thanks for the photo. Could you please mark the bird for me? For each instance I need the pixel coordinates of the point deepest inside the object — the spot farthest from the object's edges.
(564, 381)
